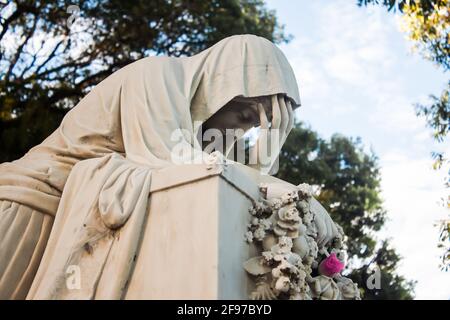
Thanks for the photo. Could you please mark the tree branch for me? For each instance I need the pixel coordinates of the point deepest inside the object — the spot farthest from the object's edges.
(51, 55)
(20, 49)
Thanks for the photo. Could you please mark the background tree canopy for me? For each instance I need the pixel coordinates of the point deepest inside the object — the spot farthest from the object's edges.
(46, 67)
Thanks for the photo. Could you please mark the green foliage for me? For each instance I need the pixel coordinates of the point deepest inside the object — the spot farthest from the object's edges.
(348, 185)
(392, 286)
(46, 67)
(391, 5)
(427, 24)
(437, 114)
(444, 239)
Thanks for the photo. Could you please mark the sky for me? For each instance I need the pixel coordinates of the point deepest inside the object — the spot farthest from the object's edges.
(358, 76)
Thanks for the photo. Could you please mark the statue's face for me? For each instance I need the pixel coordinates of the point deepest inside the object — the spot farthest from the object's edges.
(239, 113)
(235, 118)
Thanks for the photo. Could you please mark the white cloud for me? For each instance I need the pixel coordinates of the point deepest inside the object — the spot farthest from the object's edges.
(412, 191)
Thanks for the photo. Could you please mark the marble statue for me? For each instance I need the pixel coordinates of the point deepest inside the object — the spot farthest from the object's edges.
(114, 193)
(69, 200)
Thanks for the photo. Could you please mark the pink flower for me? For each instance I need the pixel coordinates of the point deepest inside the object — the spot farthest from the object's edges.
(331, 266)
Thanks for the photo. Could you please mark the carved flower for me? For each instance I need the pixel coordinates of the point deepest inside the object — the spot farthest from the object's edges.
(289, 197)
(248, 236)
(284, 246)
(279, 232)
(304, 190)
(257, 209)
(285, 242)
(278, 257)
(295, 260)
(349, 290)
(287, 221)
(267, 255)
(288, 214)
(265, 223)
(276, 204)
(259, 233)
(302, 276)
(282, 284)
(276, 272)
(288, 266)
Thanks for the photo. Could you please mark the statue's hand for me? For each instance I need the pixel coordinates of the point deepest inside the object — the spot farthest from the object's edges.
(274, 135)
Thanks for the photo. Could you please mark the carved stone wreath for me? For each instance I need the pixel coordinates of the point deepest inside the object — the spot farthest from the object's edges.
(290, 265)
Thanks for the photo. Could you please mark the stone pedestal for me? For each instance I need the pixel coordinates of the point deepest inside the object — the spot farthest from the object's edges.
(193, 245)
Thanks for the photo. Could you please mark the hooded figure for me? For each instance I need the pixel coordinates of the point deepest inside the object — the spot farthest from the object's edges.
(109, 143)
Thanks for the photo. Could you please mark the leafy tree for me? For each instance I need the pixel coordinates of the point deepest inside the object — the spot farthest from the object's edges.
(444, 236)
(48, 62)
(347, 181)
(427, 23)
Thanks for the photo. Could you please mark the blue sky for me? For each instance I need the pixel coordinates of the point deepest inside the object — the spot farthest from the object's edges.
(358, 76)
